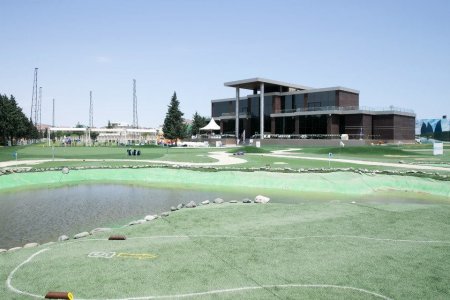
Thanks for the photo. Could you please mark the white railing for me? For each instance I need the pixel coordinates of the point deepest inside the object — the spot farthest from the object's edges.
(345, 108)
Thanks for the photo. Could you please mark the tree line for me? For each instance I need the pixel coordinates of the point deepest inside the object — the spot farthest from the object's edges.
(14, 124)
(175, 128)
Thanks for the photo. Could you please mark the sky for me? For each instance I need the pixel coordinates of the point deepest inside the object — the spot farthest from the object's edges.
(394, 52)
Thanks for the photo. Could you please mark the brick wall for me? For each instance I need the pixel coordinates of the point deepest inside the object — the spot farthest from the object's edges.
(347, 99)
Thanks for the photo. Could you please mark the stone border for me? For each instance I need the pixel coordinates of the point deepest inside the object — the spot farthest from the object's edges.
(415, 173)
(148, 218)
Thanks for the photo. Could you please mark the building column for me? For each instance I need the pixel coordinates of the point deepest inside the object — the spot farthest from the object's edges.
(221, 126)
(237, 115)
(297, 125)
(276, 104)
(261, 110)
(272, 126)
(329, 124)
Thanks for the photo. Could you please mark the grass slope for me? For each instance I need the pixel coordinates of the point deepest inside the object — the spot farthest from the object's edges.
(338, 184)
(231, 246)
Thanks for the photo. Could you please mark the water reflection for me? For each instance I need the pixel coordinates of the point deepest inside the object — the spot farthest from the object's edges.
(43, 215)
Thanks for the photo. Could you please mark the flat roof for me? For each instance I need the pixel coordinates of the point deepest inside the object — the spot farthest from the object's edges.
(255, 84)
(328, 89)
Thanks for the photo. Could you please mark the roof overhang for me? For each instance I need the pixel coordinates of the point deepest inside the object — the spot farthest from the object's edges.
(255, 84)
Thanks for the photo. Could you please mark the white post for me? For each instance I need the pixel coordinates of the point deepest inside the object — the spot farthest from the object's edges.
(237, 115)
(48, 136)
(261, 110)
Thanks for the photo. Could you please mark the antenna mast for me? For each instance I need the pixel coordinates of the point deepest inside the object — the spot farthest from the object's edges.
(34, 99)
(39, 109)
(135, 114)
(91, 111)
(53, 115)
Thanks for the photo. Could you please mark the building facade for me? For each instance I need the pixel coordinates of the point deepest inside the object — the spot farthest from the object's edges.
(284, 110)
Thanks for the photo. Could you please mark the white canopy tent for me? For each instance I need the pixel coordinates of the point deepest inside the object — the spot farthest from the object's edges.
(211, 126)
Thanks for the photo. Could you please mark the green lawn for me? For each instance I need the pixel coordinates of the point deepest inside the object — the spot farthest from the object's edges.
(407, 154)
(252, 251)
(147, 153)
(372, 249)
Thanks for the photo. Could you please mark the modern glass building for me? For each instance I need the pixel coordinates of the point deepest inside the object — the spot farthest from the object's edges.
(284, 110)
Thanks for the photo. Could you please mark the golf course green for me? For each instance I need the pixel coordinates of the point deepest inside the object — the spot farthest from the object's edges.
(345, 235)
(252, 251)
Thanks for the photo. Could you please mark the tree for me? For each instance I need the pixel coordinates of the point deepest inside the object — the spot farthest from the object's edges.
(423, 129)
(438, 128)
(109, 126)
(173, 127)
(14, 125)
(79, 133)
(429, 129)
(94, 135)
(197, 123)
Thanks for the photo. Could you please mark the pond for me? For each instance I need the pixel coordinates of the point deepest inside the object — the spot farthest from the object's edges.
(43, 215)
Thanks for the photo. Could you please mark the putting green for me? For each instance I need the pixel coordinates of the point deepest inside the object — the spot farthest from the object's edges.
(252, 251)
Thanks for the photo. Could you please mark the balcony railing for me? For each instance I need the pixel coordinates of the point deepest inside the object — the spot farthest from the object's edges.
(231, 135)
(344, 108)
(232, 114)
(314, 136)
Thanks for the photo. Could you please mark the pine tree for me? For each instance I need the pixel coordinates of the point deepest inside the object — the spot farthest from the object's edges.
(197, 123)
(14, 125)
(174, 127)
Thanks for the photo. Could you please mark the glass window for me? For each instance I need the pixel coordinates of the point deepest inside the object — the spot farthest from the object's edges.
(298, 101)
(219, 108)
(268, 105)
(287, 102)
(254, 106)
(324, 98)
(243, 105)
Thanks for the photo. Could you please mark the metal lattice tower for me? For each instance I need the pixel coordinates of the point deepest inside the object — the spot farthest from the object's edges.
(135, 114)
(34, 99)
(39, 110)
(91, 111)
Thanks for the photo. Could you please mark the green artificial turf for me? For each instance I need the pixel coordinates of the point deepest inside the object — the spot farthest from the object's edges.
(406, 154)
(338, 184)
(231, 246)
(42, 151)
(248, 149)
